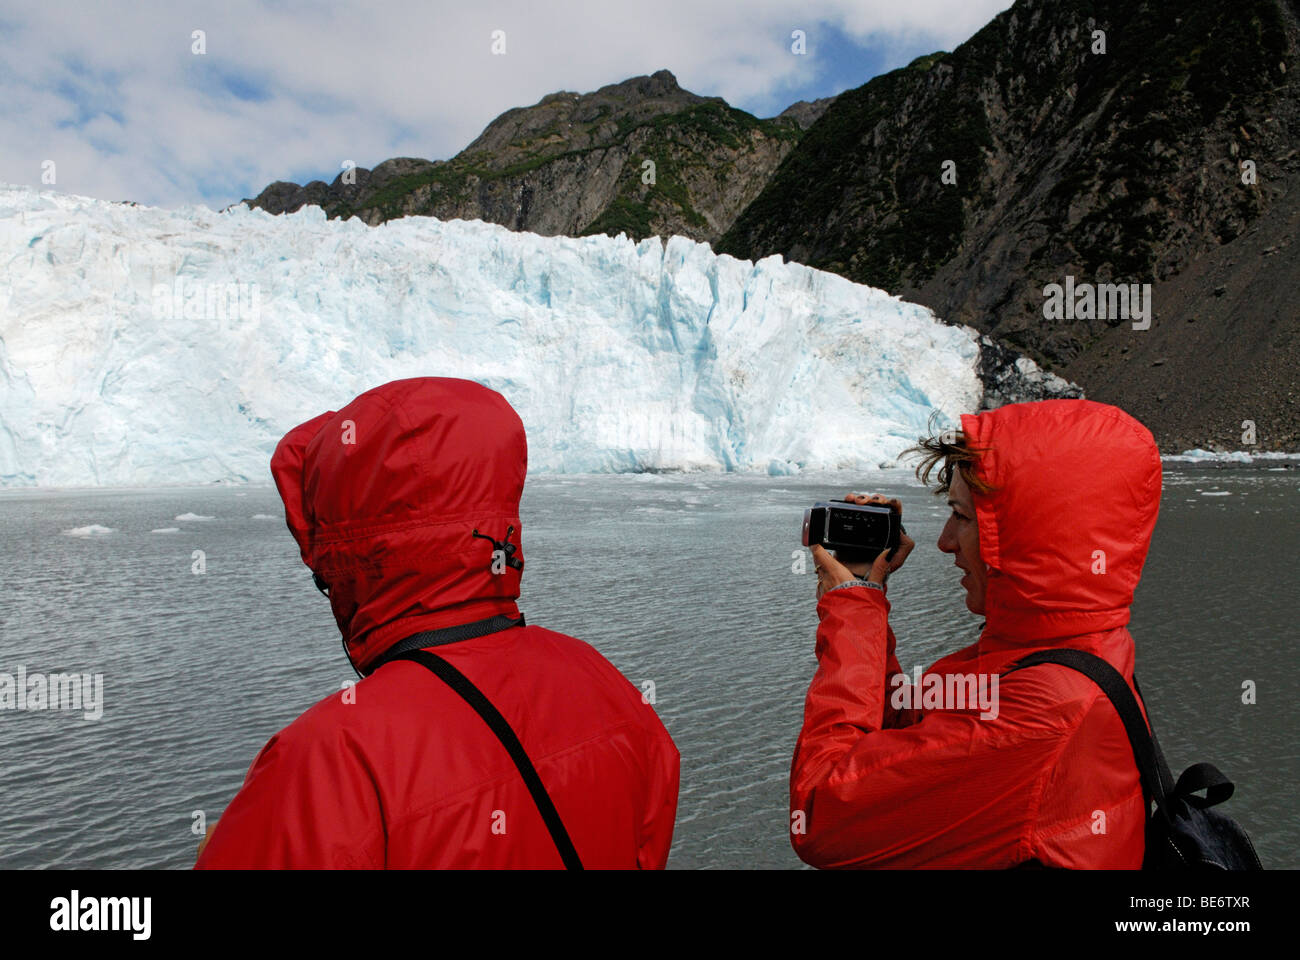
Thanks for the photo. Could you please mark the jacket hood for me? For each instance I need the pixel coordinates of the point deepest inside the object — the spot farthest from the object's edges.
(382, 498)
(1066, 531)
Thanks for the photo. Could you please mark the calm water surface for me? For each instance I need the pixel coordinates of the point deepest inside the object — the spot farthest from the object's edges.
(685, 580)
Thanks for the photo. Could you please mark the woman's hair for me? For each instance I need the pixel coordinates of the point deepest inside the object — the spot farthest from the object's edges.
(951, 448)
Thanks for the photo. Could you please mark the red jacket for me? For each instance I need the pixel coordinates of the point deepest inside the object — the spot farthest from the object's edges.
(399, 771)
(1052, 777)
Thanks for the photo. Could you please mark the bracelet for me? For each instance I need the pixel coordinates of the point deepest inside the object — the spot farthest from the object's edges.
(858, 583)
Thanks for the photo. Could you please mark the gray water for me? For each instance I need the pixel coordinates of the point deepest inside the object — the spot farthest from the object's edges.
(685, 580)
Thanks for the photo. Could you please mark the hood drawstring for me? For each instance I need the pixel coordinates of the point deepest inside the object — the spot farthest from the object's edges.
(505, 547)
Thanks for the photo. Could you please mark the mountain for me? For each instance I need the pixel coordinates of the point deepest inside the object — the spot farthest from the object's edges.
(1102, 141)
(573, 164)
(143, 346)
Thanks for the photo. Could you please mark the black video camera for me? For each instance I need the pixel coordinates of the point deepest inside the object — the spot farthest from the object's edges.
(857, 532)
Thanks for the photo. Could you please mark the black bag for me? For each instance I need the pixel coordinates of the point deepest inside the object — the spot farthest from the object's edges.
(1182, 833)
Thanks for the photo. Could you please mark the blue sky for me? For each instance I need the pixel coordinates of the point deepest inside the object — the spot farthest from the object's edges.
(116, 98)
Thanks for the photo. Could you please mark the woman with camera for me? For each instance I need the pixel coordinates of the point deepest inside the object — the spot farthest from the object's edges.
(1053, 505)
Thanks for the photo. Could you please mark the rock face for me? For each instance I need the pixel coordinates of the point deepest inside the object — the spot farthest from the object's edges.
(1103, 140)
(806, 112)
(1010, 377)
(575, 164)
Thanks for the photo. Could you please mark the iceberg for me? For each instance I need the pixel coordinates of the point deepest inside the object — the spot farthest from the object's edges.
(1229, 456)
(142, 345)
(93, 530)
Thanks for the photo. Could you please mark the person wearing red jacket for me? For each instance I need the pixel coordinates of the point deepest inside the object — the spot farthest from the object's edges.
(405, 505)
(1053, 506)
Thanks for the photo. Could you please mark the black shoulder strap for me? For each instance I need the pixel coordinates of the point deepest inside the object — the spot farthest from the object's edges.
(1166, 776)
(492, 716)
(1157, 782)
(445, 635)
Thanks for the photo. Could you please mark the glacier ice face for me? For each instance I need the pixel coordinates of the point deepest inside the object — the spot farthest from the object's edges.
(142, 346)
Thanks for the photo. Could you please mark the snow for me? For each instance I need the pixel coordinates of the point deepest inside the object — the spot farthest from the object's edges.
(141, 345)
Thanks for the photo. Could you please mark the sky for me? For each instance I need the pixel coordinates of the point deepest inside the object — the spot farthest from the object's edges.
(121, 100)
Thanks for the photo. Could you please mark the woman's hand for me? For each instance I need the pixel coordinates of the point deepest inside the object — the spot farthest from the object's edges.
(830, 572)
(882, 568)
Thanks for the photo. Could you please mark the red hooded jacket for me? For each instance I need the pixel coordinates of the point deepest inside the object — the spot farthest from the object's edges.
(877, 781)
(398, 770)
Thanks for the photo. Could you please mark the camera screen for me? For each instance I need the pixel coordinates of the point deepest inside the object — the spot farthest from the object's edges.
(856, 526)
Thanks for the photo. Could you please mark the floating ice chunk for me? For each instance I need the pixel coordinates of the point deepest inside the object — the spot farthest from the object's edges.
(193, 516)
(166, 530)
(94, 530)
(1200, 456)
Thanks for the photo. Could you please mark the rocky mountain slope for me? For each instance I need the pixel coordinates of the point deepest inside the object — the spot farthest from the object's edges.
(1101, 140)
(574, 164)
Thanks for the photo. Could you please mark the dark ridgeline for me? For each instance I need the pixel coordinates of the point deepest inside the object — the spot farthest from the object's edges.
(572, 165)
(1122, 167)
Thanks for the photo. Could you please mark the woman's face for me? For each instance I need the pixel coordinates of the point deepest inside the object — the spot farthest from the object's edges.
(961, 538)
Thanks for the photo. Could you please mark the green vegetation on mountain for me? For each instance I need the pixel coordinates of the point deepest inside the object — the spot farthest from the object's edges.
(574, 164)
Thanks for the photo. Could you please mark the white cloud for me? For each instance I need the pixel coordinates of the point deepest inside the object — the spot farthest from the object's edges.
(403, 78)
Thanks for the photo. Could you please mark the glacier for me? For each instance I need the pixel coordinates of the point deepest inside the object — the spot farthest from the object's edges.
(143, 346)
